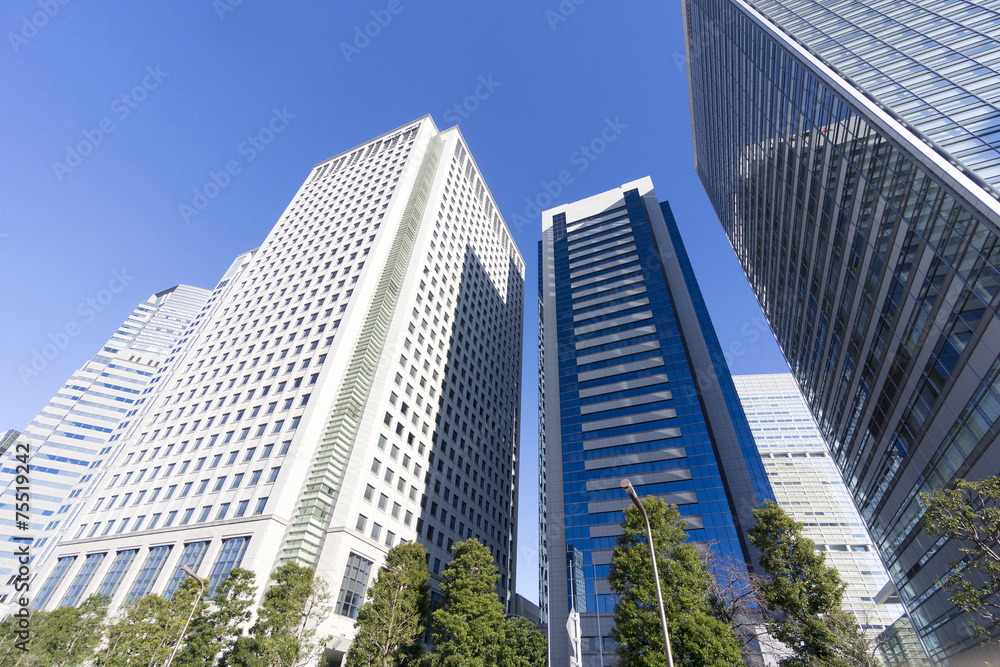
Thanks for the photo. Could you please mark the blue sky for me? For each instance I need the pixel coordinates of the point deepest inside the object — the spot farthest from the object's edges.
(157, 96)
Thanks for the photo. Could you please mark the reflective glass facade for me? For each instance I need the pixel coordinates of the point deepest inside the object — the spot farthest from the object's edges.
(877, 264)
(636, 386)
(932, 65)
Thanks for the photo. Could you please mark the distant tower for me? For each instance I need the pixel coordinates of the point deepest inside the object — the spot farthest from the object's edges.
(359, 385)
(633, 384)
(808, 486)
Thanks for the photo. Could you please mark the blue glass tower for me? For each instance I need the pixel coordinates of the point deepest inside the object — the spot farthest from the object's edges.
(634, 384)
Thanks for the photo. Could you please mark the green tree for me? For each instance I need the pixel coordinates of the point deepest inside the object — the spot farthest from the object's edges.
(806, 593)
(526, 646)
(285, 632)
(60, 638)
(392, 621)
(697, 637)
(217, 627)
(469, 630)
(146, 631)
(970, 513)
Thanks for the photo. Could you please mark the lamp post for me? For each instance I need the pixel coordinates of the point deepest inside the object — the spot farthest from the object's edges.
(187, 570)
(627, 485)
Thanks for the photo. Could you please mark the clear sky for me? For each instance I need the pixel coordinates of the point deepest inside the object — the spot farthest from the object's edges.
(113, 114)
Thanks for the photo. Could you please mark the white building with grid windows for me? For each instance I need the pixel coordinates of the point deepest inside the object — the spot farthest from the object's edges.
(71, 438)
(356, 384)
(808, 486)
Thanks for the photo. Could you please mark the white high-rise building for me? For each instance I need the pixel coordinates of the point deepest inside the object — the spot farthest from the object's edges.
(357, 385)
(808, 486)
(71, 437)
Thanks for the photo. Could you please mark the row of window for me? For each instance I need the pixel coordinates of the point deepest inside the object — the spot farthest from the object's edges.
(185, 518)
(230, 556)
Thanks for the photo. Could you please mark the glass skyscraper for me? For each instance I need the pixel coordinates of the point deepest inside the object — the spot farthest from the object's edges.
(634, 384)
(849, 149)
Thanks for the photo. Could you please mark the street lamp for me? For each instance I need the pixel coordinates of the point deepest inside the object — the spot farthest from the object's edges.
(627, 485)
(190, 573)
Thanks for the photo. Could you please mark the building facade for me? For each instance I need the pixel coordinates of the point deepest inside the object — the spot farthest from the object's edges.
(808, 486)
(354, 384)
(70, 439)
(849, 151)
(634, 384)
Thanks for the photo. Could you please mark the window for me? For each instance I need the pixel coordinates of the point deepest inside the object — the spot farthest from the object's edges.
(260, 506)
(360, 525)
(369, 492)
(352, 590)
(236, 481)
(119, 567)
(230, 556)
(149, 572)
(223, 510)
(62, 566)
(187, 516)
(273, 475)
(376, 530)
(218, 483)
(254, 478)
(191, 556)
(90, 565)
(241, 509)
